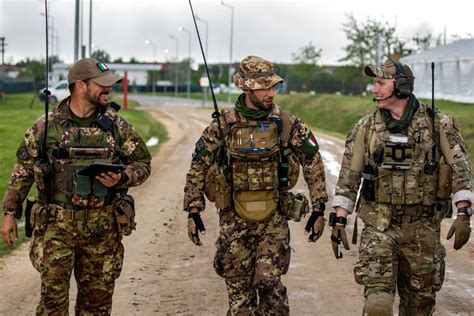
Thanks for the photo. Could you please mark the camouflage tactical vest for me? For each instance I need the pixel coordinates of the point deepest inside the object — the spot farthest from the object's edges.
(399, 161)
(257, 152)
(76, 149)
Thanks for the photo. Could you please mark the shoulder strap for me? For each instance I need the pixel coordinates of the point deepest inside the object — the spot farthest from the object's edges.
(286, 127)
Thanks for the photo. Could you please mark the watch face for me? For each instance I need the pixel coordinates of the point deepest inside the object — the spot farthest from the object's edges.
(466, 210)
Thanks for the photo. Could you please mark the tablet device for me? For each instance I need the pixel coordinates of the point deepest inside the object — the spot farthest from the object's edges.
(96, 168)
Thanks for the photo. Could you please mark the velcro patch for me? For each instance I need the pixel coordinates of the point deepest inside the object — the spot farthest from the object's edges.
(310, 146)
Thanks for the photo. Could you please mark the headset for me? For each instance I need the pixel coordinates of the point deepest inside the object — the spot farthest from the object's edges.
(403, 84)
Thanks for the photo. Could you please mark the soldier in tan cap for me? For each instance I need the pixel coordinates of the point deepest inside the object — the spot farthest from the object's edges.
(412, 172)
(78, 218)
(248, 170)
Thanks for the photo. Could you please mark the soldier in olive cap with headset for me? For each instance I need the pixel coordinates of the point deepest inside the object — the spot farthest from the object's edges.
(262, 151)
(414, 165)
(78, 218)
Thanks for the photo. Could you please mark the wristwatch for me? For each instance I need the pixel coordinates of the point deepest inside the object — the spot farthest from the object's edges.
(466, 210)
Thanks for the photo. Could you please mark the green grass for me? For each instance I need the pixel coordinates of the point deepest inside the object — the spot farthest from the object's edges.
(17, 116)
(336, 114)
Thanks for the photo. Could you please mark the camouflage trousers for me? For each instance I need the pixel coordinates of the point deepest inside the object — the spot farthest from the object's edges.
(252, 257)
(407, 257)
(91, 248)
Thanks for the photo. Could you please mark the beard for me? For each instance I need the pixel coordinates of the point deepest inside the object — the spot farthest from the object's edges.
(99, 100)
(263, 104)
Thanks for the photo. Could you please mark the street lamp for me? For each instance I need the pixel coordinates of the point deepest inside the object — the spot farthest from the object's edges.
(188, 88)
(207, 56)
(176, 65)
(148, 42)
(230, 50)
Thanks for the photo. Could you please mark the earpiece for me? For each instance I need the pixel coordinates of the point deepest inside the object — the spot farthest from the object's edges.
(403, 87)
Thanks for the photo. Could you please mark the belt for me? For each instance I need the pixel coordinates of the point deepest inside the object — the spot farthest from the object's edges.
(58, 212)
(410, 213)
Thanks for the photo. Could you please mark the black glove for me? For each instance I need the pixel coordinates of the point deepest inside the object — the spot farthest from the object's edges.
(195, 225)
(315, 225)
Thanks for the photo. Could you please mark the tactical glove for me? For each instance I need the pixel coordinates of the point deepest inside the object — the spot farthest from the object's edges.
(315, 226)
(461, 228)
(195, 225)
(338, 235)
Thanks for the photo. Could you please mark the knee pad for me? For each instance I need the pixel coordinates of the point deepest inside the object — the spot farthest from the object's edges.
(378, 304)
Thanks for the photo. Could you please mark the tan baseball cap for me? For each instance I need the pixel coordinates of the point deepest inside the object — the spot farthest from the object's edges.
(256, 73)
(90, 68)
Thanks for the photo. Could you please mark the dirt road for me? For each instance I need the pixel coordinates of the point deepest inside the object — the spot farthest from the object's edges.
(165, 274)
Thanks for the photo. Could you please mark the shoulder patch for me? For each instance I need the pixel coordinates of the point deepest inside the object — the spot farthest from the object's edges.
(310, 146)
(22, 153)
(200, 150)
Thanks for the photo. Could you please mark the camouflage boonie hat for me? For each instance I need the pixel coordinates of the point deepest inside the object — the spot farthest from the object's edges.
(256, 73)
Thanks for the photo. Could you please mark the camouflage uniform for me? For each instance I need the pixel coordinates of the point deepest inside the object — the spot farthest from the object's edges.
(67, 236)
(400, 246)
(252, 256)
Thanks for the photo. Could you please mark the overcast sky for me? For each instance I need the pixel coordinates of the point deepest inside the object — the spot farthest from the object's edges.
(273, 29)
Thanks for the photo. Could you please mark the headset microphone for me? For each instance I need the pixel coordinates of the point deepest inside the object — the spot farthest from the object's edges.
(378, 100)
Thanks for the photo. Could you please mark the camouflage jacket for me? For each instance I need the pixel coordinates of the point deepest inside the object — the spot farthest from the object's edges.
(452, 149)
(206, 154)
(131, 151)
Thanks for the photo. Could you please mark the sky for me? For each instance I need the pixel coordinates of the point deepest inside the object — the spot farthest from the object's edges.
(273, 29)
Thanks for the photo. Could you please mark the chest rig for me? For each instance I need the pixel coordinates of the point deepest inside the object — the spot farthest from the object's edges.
(262, 164)
(398, 162)
(77, 147)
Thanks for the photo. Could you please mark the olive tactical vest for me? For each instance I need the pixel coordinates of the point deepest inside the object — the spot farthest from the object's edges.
(257, 152)
(399, 161)
(77, 148)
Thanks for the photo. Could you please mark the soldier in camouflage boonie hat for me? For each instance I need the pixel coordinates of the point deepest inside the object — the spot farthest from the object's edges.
(256, 73)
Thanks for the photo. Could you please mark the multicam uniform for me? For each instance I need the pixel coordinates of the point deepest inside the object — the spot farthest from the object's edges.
(252, 255)
(400, 245)
(78, 228)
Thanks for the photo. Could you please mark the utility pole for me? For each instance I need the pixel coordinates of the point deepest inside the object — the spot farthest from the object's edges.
(2, 49)
(76, 32)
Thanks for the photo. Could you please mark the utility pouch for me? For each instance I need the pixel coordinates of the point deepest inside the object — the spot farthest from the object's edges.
(294, 206)
(83, 185)
(124, 210)
(445, 177)
(223, 194)
(255, 206)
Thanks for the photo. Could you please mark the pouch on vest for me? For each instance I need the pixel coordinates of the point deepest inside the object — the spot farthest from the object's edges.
(294, 206)
(83, 185)
(255, 206)
(289, 170)
(124, 210)
(223, 194)
(399, 179)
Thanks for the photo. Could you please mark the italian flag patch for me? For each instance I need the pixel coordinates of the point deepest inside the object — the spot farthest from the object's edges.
(311, 141)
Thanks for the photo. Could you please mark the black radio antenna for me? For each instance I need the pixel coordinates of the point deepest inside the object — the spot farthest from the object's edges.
(216, 114)
(46, 91)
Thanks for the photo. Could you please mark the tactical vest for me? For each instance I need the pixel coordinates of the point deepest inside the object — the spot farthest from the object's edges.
(399, 161)
(77, 148)
(262, 164)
